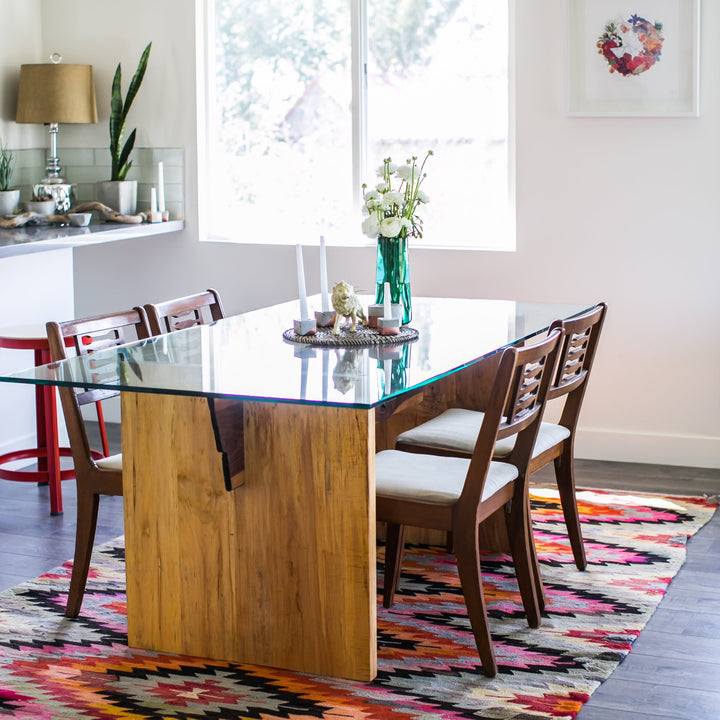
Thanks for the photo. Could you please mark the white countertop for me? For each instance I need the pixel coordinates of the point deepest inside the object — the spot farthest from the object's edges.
(40, 238)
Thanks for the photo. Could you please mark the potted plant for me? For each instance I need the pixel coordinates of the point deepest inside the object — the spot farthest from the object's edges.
(9, 197)
(119, 193)
(41, 204)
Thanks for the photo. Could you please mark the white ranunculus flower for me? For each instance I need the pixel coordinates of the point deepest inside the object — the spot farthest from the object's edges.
(422, 196)
(371, 226)
(392, 198)
(382, 187)
(407, 224)
(390, 227)
(405, 172)
(371, 195)
(380, 172)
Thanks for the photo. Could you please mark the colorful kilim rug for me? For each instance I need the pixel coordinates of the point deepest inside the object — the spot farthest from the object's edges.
(55, 668)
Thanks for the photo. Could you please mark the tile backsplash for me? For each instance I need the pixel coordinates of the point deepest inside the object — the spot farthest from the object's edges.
(83, 167)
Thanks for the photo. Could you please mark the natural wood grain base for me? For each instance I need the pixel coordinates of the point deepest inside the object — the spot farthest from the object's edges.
(278, 572)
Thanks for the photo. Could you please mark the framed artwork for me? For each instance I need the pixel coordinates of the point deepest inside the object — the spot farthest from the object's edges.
(633, 58)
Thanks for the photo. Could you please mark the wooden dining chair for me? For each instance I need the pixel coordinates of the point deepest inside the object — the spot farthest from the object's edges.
(94, 477)
(457, 495)
(184, 312)
(455, 431)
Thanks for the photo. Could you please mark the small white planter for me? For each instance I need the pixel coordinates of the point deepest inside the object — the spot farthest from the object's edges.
(43, 207)
(119, 195)
(9, 201)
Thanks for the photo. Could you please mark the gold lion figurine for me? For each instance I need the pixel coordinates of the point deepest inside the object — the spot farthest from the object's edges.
(346, 305)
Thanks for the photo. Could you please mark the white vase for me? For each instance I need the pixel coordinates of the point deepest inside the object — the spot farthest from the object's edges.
(119, 195)
(9, 200)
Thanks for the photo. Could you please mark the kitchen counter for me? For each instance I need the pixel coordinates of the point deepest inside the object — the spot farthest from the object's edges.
(43, 237)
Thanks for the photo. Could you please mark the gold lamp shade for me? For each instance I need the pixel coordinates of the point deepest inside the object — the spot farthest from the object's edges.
(56, 93)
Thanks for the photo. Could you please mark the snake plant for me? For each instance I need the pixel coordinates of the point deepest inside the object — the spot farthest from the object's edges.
(119, 110)
(6, 167)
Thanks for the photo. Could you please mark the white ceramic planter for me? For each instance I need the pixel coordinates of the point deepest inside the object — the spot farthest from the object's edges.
(120, 195)
(9, 201)
(43, 207)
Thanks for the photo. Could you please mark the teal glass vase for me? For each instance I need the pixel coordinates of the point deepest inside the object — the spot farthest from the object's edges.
(393, 267)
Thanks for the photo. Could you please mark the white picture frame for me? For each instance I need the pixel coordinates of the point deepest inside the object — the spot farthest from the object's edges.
(657, 75)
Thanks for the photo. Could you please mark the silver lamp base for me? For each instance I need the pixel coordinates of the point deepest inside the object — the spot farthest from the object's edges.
(62, 193)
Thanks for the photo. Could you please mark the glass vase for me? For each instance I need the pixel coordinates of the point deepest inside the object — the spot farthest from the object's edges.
(393, 266)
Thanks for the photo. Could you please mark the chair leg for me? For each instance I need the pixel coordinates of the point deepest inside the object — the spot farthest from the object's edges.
(539, 588)
(522, 546)
(87, 512)
(467, 552)
(393, 561)
(565, 477)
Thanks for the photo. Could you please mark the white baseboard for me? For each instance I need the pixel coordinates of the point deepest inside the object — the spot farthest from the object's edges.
(657, 449)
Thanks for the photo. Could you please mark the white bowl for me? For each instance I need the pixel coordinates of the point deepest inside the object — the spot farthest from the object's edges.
(79, 219)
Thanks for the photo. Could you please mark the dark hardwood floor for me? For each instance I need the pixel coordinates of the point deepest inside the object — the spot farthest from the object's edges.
(673, 671)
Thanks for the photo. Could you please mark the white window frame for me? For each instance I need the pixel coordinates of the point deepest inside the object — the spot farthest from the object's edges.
(205, 44)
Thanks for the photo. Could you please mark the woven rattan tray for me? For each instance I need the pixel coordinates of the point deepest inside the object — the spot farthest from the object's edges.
(364, 337)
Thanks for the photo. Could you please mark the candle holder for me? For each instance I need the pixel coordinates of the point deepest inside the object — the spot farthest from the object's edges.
(375, 312)
(306, 326)
(324, 318)
(389, 326)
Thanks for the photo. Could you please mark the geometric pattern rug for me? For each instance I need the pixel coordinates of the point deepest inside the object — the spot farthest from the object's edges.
(428, 667)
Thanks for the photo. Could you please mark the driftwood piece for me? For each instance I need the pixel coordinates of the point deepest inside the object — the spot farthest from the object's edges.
(107, 212)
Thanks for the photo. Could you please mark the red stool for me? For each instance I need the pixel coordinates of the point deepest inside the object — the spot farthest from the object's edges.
(47, 452)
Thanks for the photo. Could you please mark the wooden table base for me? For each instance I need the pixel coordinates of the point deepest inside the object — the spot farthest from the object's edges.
(281, 570)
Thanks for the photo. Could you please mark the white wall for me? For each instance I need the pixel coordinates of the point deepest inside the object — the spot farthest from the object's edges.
(21, 43)
(621, 210)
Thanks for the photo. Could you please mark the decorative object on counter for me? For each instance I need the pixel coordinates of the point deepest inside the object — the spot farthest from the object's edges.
(153, 215)
(107, 214)
(388, 324)
(326, 316)
(164, 213)
(347, 306)
(119, 192)
(79, 219)
(391, 216)
(41, 204)
(9, 197)
(363, 337)
(53, 93)
(305, 325)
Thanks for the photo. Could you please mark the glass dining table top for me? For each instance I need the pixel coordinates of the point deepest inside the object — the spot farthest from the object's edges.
(246, 356)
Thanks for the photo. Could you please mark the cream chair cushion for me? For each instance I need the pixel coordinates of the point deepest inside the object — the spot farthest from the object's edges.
(431, 478)
(112, 462)
(458, 429)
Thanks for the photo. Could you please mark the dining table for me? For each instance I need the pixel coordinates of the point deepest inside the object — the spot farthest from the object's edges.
(248, 470)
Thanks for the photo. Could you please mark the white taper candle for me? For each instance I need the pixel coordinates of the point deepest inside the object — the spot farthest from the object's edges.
(323, 276)
(387, 309)
(161, 188)
(301, 284)
(153, 200)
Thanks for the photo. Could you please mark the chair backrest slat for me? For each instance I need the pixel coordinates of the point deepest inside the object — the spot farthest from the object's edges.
(577, 353)
(89, 336)
(515, 408)
(184, 312)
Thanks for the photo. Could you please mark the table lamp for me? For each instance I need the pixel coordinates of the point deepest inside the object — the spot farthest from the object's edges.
(52, 93)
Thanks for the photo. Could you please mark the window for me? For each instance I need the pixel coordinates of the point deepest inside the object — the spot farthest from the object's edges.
(306, 98)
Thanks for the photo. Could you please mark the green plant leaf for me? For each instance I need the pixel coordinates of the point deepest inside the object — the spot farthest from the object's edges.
(137, 79)
(124, 159)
